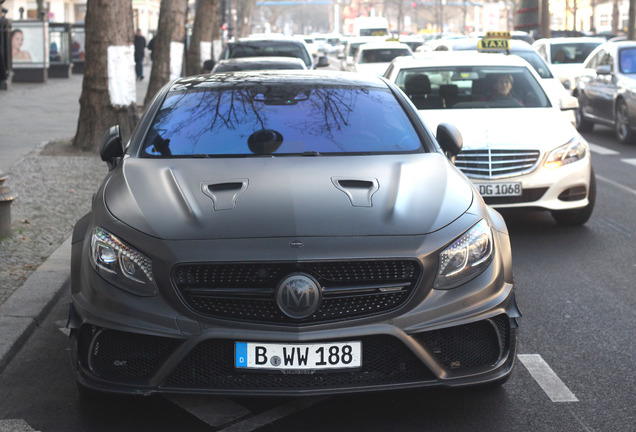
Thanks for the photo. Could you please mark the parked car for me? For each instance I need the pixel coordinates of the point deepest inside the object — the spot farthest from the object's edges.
(519, 150)
(566, 55)
(350, 50)
(270, 46)
(288, 233)
(605, 90)
(375, 57)
(258, 63)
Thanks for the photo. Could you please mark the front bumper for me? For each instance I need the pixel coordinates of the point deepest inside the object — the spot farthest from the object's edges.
(563, 188)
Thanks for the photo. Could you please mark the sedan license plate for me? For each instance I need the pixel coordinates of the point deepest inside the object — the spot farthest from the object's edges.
(499, 189)
(336, 355)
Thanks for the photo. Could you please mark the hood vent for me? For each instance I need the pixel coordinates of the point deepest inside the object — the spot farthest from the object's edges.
(359, 191)
(224, 195)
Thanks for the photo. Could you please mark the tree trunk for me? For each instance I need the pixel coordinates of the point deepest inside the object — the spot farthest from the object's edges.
(201, 41)
(168, 53)
(108, 88)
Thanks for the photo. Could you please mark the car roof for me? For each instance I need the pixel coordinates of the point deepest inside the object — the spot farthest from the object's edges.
(272, 77)
(272, 59)
(267, 37)
(262, 62)
(385, 44)
(570, 40)
(459, 58)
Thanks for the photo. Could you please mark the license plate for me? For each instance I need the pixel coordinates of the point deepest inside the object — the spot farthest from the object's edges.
(336, 355)
(499, 189)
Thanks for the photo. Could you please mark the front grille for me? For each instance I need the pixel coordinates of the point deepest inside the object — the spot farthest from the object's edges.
(385, 360)
(246, 291)
(490, 164)
(120, 356)
(478, 344)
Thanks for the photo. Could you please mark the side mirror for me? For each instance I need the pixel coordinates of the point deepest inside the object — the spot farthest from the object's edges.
(111, 148)
(450, 140)
(323, 61)
(208, 65)
(604, 70)
(569, 103)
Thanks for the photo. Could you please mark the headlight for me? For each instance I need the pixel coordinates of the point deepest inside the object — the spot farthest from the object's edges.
(121, 265)
(571, 152)
(466, 257)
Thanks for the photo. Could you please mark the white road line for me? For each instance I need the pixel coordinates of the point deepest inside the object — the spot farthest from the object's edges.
(272, 415)
(602, 150)
(618, 185)
(629, 161)
(15, 425)
(546, 378)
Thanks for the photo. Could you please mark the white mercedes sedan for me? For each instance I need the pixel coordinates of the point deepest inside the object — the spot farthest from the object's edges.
(519, 150)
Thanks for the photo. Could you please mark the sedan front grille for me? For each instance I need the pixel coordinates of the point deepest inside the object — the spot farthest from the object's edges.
(247, 291)
(489, 163)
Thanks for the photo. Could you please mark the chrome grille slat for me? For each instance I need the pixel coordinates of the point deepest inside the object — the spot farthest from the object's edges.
(490, 163)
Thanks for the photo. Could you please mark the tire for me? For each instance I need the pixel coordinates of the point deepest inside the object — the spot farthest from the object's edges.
(577, 217)
(624, 133)
(583, 124)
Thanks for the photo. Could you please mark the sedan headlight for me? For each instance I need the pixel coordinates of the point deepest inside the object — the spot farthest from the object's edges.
(121, 265)
(573, 151)
(466, 257)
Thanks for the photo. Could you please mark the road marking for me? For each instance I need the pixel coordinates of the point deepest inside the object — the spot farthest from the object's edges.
(15, 425)
(546, 378)
(272, 415)
(618, 185)
(629, 161)
(602, 150)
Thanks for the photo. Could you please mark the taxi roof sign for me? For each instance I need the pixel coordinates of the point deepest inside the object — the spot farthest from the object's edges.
(493, 44)
(498, 35)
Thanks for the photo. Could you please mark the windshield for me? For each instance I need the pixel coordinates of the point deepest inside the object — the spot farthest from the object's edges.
(627, 59)
(564, 53)
(268, 49)
(529, 55)
(462, 87)
(383, 55)
(280, 119)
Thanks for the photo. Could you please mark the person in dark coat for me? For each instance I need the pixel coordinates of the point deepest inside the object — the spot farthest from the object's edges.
(140, 46)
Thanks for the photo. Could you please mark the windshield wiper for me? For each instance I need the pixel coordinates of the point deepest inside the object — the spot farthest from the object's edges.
(311, 153)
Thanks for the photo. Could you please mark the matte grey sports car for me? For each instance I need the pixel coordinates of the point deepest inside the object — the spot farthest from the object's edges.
(288, 233)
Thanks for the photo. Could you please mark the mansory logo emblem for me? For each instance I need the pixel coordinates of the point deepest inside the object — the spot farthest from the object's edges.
(298, 295)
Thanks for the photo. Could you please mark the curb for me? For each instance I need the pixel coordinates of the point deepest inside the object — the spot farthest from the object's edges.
(27, 307)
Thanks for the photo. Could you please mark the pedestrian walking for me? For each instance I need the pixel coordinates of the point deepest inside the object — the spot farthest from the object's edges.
(140, 46)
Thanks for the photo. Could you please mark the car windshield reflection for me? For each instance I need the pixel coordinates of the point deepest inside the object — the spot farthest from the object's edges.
(461, 87)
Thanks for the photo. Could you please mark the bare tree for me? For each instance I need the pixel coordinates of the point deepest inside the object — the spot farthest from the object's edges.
(167, 54)
(108, 88)
(204, 23)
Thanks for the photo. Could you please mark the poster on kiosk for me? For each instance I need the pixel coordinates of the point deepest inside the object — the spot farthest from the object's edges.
(30, 51)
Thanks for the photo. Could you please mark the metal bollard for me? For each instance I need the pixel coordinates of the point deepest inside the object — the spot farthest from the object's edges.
(6, 198)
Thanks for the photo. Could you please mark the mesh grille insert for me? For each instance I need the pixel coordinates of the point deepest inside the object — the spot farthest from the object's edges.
(385, 361)
(246, 291)
(121, 356)
(477, 344)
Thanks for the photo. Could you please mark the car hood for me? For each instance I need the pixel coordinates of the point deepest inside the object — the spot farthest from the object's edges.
(522, 128)
(287, 196)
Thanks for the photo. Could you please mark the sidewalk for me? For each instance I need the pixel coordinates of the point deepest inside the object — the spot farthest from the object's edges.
(54, 186)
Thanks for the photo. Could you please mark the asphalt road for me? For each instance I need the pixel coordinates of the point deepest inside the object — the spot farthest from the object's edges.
(575, 369)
